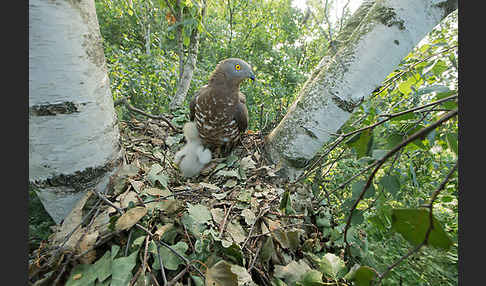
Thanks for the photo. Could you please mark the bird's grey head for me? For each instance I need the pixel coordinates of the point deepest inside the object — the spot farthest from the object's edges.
(236, 69)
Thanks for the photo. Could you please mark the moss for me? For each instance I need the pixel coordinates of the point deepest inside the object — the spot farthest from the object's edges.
(388, 17)
(54, 109)
(79, 181)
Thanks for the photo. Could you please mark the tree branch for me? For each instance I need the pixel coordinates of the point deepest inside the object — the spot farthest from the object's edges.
(136, 110)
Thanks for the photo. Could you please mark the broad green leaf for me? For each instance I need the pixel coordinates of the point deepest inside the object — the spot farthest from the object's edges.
(155, 174)
(268, 250)
(234, 253)
(310, 278)
(357, 188)
(363, 276)
(357, 217)
(405, 87)
(350, 275)
(412, 224)
(439, 67)
(286, 203)
(361, 142)
(292, 272)
(393, 140)
(122, 269)
(391, 184)
(103, 266)
(82, 275)
(452, 142)
(169, 259)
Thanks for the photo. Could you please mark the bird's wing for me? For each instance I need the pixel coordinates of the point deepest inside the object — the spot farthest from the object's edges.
(241, 113)
(192, 103)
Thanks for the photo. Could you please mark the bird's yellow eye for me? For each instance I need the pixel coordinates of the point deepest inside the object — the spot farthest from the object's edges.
(237, 67)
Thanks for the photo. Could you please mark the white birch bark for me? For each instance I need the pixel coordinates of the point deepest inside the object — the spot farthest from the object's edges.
(189, 66)
(73, 130)
(381, 33)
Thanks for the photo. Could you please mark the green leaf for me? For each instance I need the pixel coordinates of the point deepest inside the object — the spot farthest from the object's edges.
(234, 253)
(357, 217)
(286, 203)
(406, 116)
(412, 224)
(357, 188)
(169, 259)
(268, 249)
(363, 276)
(361, 142)
(82, 275)
(452, 142)
(405, 87)
(155, 175)
(122, 269)
(292, 272)
(103, 266)
(391, 184)
(310, 278)
(393, 140)
(439, 67)
(414, 176)
(196, 219)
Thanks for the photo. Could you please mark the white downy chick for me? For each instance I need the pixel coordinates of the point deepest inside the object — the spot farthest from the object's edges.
(193, 156)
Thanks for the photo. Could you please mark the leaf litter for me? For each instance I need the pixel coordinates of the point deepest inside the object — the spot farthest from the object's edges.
(224, 227)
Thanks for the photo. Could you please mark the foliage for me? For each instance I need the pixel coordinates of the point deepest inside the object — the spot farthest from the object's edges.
(39, 221)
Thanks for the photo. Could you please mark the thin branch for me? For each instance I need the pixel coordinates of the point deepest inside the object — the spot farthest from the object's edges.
(162, 271)
(130, 107)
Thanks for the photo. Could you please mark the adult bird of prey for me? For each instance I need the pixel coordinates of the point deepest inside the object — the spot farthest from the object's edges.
(219, 108)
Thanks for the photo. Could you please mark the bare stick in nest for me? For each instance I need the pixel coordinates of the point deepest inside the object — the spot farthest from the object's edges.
(136, 110)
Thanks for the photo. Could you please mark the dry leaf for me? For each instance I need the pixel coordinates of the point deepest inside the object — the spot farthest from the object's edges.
(72, 221)
(137, 185)
(130, 218)
(86, 243)
(130, 196)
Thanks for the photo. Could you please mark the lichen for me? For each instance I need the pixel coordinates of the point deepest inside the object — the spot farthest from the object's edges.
(388, 17)
(80, 180)
(54, 109)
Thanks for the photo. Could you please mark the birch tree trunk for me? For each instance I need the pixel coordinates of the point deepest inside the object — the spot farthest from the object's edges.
(73, 131)
(188, 70)
(379, 34)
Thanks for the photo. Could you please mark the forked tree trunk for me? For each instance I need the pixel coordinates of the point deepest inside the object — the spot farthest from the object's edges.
(189, 66)
(73, 131)
(378, 35)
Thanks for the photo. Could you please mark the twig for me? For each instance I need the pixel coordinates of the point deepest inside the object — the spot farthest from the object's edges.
(162, 271)
(223, 224)
(416, 135)
(178, 276)
(260, 215)
(285, 226)
(136, 110)
(187, 262)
